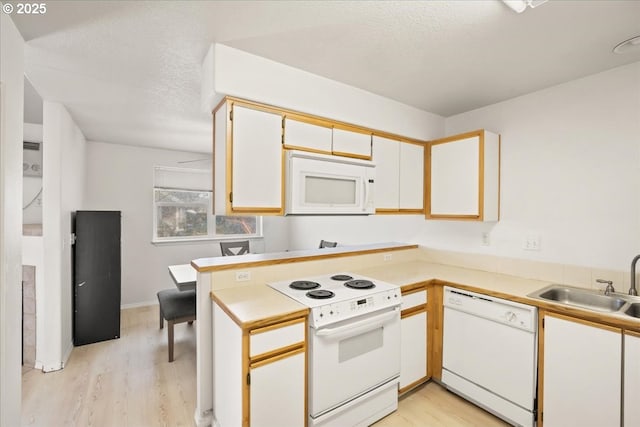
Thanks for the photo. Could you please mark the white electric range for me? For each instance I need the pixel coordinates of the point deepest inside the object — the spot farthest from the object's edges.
(354, 347)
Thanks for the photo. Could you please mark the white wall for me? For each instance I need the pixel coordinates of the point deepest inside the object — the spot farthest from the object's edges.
(252, 77)
(570, 171)
(63, 182)
(120, 177)
(11, 118)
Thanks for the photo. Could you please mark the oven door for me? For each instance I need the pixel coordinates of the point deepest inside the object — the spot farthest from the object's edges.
(352, 357)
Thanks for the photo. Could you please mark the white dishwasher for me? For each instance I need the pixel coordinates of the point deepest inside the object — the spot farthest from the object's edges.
(489, 353)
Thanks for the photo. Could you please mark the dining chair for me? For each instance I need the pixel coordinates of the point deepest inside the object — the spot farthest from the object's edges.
(327, 244)
(234, 248)
(176, 307)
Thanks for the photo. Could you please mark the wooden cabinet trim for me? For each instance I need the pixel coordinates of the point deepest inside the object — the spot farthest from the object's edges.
(480, 216)
(322, 121)
(415, 287)
(418, 309)
(413, 385)
(275, 355)
(452, 138)
(246, 393)
(310, 120)
(351, 155)
(632, 333)
(278, 325)
(435, 316)
(584, 322)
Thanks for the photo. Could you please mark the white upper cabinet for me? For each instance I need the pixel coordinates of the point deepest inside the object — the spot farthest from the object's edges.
(248, 160)
(351, 144)
(300, 135)
(412, 177)
(463, 178)
(399, 175)
(386, 155)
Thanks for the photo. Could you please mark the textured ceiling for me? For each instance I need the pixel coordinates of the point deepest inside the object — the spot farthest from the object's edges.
(129, 72)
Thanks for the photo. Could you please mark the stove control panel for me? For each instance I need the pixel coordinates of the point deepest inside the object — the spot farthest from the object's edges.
(342, 310)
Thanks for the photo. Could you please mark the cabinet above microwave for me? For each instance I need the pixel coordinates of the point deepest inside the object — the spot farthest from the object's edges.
(318, 184)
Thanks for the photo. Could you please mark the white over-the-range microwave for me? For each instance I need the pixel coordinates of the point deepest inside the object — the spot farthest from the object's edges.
(319, 184)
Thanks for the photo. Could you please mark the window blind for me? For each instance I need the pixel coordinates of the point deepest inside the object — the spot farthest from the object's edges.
(182, 178)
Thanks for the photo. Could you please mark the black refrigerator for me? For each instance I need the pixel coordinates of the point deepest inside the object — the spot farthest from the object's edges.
(96, 283)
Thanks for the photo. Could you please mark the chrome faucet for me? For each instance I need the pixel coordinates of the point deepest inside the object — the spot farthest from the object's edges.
(632, 290)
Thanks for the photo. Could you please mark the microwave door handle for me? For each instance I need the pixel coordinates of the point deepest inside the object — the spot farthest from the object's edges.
(366, 195)
(358, 327)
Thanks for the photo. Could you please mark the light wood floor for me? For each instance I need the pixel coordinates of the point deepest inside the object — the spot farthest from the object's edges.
(128, 382)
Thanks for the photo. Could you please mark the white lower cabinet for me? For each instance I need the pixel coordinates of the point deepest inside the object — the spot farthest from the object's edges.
(413, 351)
(631, 409)
(259, 374)
(582, 373)
(413, 342)
(276, 397)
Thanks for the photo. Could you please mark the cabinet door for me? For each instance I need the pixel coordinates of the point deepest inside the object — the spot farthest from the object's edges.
(386, 155)
(455, 175)
(631, 380)
(256, 167)
(351, 144)
(463, 177)
(582, 373)
(305, 136)
(277, 392)
(411, 176)
(413, 350)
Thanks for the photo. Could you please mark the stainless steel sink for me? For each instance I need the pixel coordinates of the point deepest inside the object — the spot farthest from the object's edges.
(633, 310)
(583, 298)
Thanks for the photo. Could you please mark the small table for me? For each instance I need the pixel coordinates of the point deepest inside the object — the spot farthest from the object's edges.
(184, 276)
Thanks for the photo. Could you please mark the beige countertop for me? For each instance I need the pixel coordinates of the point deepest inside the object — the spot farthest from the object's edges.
(480, 281)
(273, 258)
(258, 304)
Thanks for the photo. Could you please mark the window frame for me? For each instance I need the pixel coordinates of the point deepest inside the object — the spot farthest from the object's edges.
(211, 216)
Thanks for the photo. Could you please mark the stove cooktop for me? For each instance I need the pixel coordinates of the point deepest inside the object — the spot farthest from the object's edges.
(316, 291)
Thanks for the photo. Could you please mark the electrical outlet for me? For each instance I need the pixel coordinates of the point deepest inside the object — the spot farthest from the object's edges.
(387, 257)
(531, 242)
(486, 240)
(243, 276)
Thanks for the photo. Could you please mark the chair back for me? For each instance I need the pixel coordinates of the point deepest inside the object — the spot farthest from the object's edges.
(234, 248)
(327, 244)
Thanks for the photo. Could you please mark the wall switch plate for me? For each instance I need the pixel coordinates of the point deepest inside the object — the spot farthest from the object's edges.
(243, 276)
(387, 257)
(531, 242)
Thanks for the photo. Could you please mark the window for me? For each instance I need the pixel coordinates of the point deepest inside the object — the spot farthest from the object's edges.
(182, 209)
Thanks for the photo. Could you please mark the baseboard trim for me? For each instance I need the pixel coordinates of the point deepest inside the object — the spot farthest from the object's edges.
(139, 304)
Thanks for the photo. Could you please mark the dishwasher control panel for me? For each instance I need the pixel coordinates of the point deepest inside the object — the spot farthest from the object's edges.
(512, 313)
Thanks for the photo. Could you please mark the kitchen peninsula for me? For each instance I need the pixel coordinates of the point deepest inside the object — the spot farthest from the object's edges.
(238, 285)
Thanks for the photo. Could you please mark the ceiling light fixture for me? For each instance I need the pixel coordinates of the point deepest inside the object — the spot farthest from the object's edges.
(519, 6)
(630, 45)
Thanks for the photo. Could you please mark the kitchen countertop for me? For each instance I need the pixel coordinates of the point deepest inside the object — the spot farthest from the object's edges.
(255, 305)
(272, 258)
(500, 285)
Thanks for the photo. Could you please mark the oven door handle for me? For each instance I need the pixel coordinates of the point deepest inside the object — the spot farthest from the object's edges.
(358, 327)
